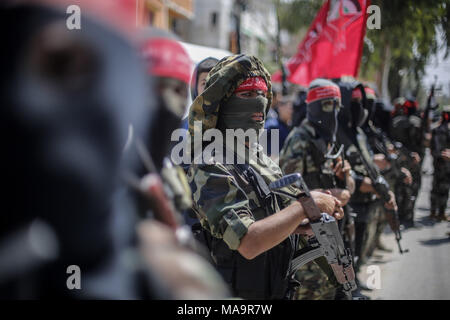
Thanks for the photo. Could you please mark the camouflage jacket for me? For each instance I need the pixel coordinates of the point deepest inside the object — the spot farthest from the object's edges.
(225, 198)
(440, 140)
(353, 155)
(222, 199)
(304, 153)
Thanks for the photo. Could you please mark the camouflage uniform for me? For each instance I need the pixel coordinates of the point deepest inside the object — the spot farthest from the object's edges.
(441, 177)
(364, 205)
(226, 198)
(304, 153)
(407, 130)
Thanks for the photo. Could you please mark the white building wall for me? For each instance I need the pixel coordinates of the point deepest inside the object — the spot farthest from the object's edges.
(200, 29)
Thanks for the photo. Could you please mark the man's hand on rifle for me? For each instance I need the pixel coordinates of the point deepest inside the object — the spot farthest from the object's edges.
(415, 157)
(326, 203)
(343, 195)
(391, 204)
(381, 161)
(408, 177)
(342, 171)
(446, 154)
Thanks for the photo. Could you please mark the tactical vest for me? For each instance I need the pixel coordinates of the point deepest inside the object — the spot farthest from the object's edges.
(353, 155)
(407, 130)
(267, 276)
(440, 141)
(321, 175)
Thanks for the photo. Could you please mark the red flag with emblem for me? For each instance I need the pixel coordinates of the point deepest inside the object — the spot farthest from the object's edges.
(333, 44)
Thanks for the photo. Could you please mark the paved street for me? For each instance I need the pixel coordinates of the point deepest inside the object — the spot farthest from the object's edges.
(424, 272)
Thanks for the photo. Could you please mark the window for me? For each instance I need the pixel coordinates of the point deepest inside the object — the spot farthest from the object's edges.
(214, 19)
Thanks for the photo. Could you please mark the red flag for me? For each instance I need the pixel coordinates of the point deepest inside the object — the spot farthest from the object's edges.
(333, 44)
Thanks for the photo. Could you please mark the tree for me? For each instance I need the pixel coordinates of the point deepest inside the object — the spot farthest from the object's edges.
(401, 48)
(405, 42)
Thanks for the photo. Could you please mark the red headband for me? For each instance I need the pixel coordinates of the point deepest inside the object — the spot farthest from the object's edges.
(167, 58)
(254, 83)
(320, 93)
(370, 93)
(356, 94)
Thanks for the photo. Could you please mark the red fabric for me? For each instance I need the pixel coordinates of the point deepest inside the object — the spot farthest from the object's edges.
(254, 83)
(167, 58)
(357, 94)
(333, 44)
(370, 93)
(320, 93)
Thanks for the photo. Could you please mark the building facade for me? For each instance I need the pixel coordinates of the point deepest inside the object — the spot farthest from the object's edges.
(163, 14)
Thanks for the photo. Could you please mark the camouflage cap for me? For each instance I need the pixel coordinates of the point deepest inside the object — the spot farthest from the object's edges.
(221, 82)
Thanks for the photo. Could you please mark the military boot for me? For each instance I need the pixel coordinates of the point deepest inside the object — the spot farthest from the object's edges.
(432, 215)
(443, 217)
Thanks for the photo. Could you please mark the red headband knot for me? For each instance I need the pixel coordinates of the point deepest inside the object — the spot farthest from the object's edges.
(254, 83)
(320, 93)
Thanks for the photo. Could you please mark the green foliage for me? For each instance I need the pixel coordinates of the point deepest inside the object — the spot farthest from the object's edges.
(409, 27)
(297, 14)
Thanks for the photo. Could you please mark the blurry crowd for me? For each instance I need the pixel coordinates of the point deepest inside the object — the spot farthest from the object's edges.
(87, 119)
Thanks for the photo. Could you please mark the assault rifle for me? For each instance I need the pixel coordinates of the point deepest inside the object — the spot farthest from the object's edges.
(158, 196)
(425, 127)
(327, 240)
(382, 188)
(381, 147)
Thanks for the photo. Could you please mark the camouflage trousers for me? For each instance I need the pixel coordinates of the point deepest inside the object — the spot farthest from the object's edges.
(441, 186)
(314, 284)
(406, 196)
(366, 224)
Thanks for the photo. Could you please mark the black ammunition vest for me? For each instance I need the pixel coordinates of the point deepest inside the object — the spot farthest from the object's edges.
(267, 276)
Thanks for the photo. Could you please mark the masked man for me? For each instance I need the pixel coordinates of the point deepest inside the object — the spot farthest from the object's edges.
(440, 149)
(406, 127)
(358, 152)
(305, 152)
(251, 229)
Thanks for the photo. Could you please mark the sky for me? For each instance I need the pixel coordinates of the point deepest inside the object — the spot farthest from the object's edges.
(440, 67)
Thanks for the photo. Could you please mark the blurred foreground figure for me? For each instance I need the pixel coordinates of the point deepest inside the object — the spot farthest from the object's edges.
(440, 150)
(160, 188)
(67, 99)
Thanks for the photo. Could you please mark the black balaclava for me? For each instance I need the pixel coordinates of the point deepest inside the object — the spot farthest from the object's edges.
(323, 103)
(299, 109)
(370, 105)
(353, 113)
(203, 66)
(382, 115)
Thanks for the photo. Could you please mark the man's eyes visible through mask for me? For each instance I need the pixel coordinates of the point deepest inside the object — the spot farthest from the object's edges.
(328, 105)
(250, 94)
